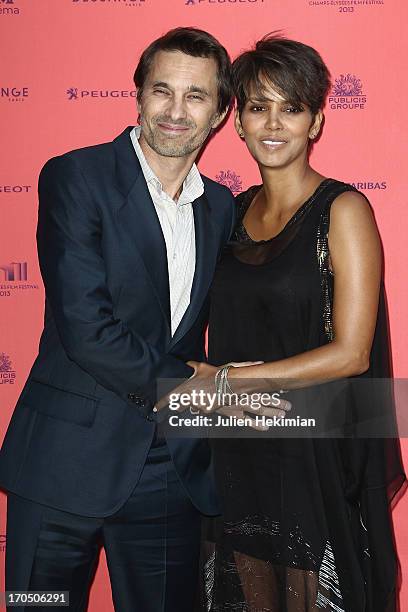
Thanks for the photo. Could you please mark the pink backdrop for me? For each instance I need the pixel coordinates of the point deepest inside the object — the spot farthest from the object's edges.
(66, 82)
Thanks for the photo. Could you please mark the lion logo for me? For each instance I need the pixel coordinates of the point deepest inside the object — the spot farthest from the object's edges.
(72, 93)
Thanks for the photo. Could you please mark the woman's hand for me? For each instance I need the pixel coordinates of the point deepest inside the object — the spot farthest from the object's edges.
(198, 394)
(199, 390)
(205, 369)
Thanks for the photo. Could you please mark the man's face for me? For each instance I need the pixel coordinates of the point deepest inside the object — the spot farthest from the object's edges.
(178, 105)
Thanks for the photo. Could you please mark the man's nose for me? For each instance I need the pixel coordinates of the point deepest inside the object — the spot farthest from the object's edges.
(177, 108)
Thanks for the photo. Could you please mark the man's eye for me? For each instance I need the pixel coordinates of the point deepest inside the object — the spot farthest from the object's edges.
(195, 97)
(257, 109)
(160, 91)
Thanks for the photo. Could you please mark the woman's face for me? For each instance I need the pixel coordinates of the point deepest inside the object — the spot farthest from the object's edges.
(276, 132)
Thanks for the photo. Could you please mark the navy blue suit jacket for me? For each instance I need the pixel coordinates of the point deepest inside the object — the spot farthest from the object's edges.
(83, 425)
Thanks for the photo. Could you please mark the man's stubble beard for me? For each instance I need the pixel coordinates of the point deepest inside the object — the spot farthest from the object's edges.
(169, 147)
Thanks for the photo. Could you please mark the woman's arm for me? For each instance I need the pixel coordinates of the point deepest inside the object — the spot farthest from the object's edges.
(355, 253)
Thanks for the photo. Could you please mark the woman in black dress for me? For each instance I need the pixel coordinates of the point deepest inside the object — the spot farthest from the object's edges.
(305, 522)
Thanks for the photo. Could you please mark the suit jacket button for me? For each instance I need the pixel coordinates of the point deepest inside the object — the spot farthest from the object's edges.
(138, 401)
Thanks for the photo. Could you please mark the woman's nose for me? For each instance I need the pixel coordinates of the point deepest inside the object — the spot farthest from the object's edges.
(273, 121)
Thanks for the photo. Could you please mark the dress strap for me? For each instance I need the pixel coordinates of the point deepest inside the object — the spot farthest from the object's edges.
(331, 191)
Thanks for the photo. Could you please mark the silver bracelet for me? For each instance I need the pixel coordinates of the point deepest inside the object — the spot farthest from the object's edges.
(222, 385)
(217, 379)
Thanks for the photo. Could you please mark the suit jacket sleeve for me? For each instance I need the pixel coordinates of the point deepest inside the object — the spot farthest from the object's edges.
(74, 275)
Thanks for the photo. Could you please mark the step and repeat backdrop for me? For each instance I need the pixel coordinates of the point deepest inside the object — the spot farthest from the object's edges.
(66, 82)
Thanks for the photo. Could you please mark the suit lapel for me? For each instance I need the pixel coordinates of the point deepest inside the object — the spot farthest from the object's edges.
(142, 231)
(138, 217)
(206, 253)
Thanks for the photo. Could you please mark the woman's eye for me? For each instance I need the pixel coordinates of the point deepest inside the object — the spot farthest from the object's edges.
(257, 109)
(292, 109)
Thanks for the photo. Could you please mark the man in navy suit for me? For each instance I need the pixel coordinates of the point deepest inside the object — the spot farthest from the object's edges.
(128, 236)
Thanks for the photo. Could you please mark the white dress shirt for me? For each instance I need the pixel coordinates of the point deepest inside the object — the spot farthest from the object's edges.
(177, 224)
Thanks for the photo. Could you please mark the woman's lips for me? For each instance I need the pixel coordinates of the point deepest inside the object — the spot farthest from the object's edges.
(273, 144)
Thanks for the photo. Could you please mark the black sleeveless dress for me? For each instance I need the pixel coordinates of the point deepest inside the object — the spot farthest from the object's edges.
(305, 523)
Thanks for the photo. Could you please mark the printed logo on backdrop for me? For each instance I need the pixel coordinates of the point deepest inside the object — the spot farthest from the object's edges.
(14, 278)
(370, 185)
(9, 7)
(15, 271)
(3, 541)
(14, 94)
(7, 372)
(73, 93)
(111, 2)
(15, 188)
(345, 6)
(218, 2)
(347, 93)
(230, 179)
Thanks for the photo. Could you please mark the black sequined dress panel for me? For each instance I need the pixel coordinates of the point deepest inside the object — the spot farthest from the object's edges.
(291, 539)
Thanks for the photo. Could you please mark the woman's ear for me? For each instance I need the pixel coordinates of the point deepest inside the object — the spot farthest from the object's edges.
(316, 125)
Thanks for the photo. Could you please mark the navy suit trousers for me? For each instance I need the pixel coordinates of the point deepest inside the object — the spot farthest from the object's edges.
(151, 545)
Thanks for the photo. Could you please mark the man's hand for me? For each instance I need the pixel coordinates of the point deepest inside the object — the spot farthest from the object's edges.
(200, 385)
(199, 393)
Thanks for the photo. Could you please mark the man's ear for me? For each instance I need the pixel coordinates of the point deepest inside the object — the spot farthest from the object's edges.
(138, 100)
(139, 105)
(219, 119)
(238, 125)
